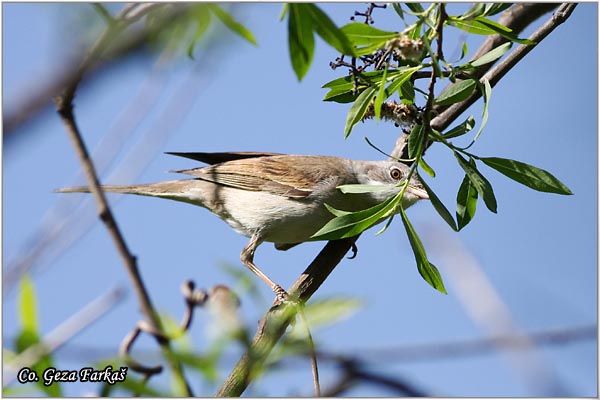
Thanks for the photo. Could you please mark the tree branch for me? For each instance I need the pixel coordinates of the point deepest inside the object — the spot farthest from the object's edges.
(64, 105)
(516, 18)
(37, 102)
(272, 326)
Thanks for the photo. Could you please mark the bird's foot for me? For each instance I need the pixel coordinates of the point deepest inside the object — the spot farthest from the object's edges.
(281, 295)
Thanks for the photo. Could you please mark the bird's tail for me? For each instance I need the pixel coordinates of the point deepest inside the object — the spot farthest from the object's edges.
(175, 190)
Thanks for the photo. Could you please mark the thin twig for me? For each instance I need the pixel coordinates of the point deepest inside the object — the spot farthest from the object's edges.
(274, 323)
(443, 120)
(65, 110)
(303, 288)
(311, 351)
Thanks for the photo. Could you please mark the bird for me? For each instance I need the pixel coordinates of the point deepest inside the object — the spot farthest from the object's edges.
(274, 197)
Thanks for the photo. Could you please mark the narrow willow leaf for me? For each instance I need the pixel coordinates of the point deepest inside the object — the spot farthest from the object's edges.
(470, 26)
(495, 8)
(492, 55)
(342, 89)
(232, 24)
(352, 224)
(426, 167)
(487, 94)
(28, 305)
(439, 206)
(415, 7)
(357, 188)
(361, 34)
(415, 141)
(466, 203)
(328, 31)
(387, 225)
(335, 211)
(456, 93)
(300, 39)
(284, 11)
(464, 50)
(202, 18)
(348, 81)
(398, 10)
(358, 109)
(427, 270)
(502, 30)
(327, 312)
(340, 96)
(365, 38)
(407, 93)
(30, 334)
(475, 11)
(484, 188)
(461, 129)
(528, 175)
(402, 77)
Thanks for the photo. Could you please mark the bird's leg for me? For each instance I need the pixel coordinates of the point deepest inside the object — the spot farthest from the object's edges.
(247, 258)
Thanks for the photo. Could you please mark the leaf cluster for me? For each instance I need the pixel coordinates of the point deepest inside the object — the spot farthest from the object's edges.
(388, 65)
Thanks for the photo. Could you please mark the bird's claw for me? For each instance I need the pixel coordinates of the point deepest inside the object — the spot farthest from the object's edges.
(281, 295)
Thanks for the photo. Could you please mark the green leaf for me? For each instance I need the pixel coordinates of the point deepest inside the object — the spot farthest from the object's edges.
(487, 94)
(484, 26)
(415, 7)
(492, 55)
(426, 167)
(285, 9)
(495, 8)
(335, 211)
(340, 96)
(528, 175)
(466, 203)
(232, 24)
(456, 93)
(347, 82)
(30, 335)
(470, 26)
(28, 305)
(357, 188)
(402, 77)
(365, 38)
(502, 30)
(327, 312)
(483, 187)
(202, 17)
(398, 10)
(328, 31)
(407, 93)
(342, 88)
(439, 206)
(475, 11)
(464, 50)
(415, 141)
(300, 39)
(427, 270)
(461, 129)
(359, 108)
(352, 224)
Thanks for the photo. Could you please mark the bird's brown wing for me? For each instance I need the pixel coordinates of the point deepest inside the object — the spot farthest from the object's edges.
(283, 175)
(217, 158)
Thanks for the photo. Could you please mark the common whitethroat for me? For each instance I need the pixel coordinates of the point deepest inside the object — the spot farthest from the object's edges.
(271, 197)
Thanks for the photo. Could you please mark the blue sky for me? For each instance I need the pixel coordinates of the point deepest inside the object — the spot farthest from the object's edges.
(539, 252)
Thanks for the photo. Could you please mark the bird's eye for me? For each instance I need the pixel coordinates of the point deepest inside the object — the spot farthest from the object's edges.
(395, 173)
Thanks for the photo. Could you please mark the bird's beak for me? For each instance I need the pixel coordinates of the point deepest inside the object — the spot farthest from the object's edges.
(419, 192)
